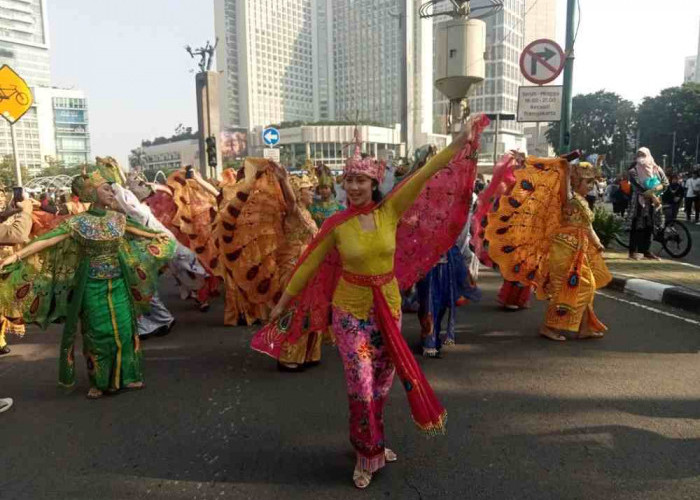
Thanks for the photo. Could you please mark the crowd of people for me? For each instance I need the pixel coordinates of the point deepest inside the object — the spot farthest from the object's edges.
(312, 258)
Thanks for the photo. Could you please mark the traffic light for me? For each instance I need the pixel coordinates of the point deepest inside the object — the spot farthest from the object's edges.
(211, 151)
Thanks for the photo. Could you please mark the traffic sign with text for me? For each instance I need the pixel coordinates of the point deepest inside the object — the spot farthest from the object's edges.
(271, 136)
(272, 154)
(542, 61)
(540, 104)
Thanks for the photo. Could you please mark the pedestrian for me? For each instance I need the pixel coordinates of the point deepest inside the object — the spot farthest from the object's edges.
(592, 195)
(692, 196)
(15, 226)
(647, 180)
(557, 224)
(353, 260)
(620, 195)
(673, 198)
(97, 268)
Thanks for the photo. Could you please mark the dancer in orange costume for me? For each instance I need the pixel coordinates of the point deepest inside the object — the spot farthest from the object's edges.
(542, 234)
(249, 233)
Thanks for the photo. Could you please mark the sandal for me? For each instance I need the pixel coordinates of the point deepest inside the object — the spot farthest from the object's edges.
(94, 393)
(551, 335)
(135, 386)
(390, 456)
(289, 367)
(361, 478)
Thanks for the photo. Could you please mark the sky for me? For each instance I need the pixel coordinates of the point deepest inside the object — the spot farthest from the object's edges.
(129, 58)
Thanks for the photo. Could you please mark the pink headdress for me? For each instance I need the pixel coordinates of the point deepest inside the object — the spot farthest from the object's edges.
(356, 165)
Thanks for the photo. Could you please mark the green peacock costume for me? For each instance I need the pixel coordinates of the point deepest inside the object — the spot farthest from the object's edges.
(101, 276)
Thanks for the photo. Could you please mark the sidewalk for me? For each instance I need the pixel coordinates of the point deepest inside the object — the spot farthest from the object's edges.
(672, 282)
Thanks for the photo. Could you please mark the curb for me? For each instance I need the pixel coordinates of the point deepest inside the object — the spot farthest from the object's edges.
(674, 296)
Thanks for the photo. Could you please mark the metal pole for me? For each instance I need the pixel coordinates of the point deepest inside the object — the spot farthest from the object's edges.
(456, 118)
(565, 129)
(697, 148)
(673, 152)
(18, 170)
(495, 139)
(537, 139)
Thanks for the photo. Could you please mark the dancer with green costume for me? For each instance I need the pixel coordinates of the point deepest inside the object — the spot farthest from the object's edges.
(100, 268)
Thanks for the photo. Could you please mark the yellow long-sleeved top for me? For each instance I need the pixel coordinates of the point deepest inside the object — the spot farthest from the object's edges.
(368, 253)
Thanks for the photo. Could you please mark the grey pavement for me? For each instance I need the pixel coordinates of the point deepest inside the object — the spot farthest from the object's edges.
(617, 418)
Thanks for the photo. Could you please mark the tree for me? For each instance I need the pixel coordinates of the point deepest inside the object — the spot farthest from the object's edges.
(676, 109)
(138, 158)
(602, 122)
(7, 171)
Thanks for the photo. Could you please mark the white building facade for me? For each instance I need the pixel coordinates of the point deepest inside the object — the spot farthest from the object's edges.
(170, 155)
(64, 137)
(320, 60)
(266, 55)
(55, 129)
(331, 144)
(24, 46)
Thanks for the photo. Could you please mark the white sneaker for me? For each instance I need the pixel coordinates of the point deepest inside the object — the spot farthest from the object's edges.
(5, 404)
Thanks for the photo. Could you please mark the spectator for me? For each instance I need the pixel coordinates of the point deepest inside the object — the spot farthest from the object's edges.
(13, 231)
(46, 204)
(673, 198)
(692, 197)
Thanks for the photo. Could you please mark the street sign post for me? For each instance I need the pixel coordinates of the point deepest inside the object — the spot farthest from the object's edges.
(540, 104)
(271, 136)
(272, 154)
(15, 100)
(542, 61)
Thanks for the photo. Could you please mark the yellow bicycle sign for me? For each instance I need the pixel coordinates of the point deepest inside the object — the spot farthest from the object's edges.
(15, 96)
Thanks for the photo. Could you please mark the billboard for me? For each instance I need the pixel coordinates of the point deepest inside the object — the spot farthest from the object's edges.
(233, 144)
(69, 115)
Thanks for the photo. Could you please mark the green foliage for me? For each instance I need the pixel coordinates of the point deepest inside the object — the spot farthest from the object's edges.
(181, 134)
(603, 123)
(7, 171)
(676, 109)
(606, 225)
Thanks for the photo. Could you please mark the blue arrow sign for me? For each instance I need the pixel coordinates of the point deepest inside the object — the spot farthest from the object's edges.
(271, 136)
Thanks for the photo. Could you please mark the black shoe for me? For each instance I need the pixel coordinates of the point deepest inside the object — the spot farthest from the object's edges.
(5, 350)
(311, 364)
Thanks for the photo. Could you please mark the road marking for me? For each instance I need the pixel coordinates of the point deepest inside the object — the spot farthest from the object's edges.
(651, 309)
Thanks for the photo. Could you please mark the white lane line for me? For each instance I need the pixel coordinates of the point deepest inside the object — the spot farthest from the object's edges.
(651, 309)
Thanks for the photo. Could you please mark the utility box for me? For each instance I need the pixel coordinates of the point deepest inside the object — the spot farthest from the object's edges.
(460, 56)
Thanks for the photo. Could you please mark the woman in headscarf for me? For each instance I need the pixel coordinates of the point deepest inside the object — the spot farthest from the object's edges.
(647, 180)
(98, 268)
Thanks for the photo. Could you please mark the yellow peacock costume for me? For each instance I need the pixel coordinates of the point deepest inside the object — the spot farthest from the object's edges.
(539, 237)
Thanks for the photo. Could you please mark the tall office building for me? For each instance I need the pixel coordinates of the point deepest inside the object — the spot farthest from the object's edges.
(311, 60)
(24, 46)
(268, 61)
(55, 129)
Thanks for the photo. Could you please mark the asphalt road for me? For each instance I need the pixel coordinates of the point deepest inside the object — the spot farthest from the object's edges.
(617, 418)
